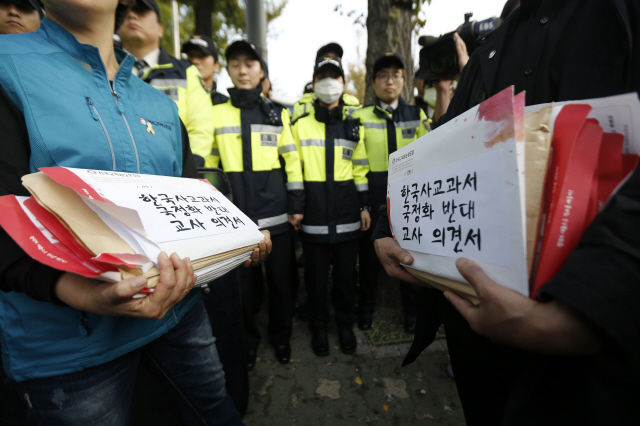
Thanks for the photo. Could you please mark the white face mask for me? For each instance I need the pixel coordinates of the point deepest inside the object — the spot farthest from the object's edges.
(329, 90)
(430, 96)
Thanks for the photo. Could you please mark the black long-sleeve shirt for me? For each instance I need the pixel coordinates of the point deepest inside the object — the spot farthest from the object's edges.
(18, 271)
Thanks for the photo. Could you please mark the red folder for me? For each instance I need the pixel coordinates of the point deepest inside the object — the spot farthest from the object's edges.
(575, 160)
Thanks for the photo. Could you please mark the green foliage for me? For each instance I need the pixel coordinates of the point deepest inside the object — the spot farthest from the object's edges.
(227, 20)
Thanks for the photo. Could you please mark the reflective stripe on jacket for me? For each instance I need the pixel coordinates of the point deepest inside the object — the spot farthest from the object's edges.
(335, 168)
(385, 133)
(182, 83)
(74, 119)
(251, 135)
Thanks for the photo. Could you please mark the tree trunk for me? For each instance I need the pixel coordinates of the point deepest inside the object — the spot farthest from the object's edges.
(389, 26)
(203, 10)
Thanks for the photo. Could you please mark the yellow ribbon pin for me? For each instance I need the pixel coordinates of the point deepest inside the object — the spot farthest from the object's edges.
(150, 129)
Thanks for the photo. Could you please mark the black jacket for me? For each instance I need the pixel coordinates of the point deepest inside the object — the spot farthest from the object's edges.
(177, 71)
(601, 278)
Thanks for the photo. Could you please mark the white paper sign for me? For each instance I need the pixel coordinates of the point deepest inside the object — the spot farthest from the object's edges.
(483, 140)
(169, 208)
(457, 210)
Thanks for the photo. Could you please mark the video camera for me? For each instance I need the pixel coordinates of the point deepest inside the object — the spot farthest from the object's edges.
(438, 56)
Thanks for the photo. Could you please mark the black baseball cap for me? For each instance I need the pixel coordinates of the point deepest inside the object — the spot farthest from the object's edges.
(325, 62)
(203, 43)
(147, 5)
(387, 60)
(330, 48)
(26, 5)
(243, 46)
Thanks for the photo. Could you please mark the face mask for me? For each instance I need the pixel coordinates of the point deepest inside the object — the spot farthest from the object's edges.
(430, 97)
(329, 90)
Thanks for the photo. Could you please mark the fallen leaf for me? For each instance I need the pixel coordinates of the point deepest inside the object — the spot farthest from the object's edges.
(328, 363)
(385, 408)
(336, 348)
(358, 381)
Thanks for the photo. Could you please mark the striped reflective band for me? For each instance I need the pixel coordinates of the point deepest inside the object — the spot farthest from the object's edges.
(375, 125)
(362, 187)
(348, 227)
(360, 162)
(273, 221)
(265, 128)
(169, 82)
(346, 143)
(291, 186)
(215, 151)
(318, 230)
(288, 148)
(403, 124)
(229, 129)
(312, 142)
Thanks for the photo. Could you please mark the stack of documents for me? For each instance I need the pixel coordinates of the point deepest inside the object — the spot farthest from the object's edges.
(510, 188)
(112, 225)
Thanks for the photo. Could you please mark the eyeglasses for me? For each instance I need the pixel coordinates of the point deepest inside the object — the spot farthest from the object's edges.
(394, 77)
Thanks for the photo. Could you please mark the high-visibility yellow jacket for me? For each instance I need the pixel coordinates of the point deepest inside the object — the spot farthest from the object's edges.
(251, 135)
(182, 83)
(335, 168)
(305, 105)
(384, 133)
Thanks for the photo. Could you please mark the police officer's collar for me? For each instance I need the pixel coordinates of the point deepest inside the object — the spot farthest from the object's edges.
(325, 115)
(242, 98)
(380, 112)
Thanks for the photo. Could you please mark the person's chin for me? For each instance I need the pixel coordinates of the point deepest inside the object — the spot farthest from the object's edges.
(12, 29)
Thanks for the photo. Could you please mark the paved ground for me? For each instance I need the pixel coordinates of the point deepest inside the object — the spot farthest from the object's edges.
(369, 388)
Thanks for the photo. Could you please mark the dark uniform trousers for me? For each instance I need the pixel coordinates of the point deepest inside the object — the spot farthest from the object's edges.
(278, 268)
(369, 270)
(319, 256)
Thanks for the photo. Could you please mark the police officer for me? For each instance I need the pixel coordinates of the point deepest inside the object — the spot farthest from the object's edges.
(251, 134)
(202, 53)
(337, 203)
(389, 125)
(305, 104)
(141, 33)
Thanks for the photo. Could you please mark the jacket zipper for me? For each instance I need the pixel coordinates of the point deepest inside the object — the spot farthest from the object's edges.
(133, 141)
(94, 110)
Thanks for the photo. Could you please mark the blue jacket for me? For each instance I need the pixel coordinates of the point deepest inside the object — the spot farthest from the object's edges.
(75, 119)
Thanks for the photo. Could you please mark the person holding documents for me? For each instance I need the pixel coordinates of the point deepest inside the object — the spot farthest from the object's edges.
(389, 125)
(251, 136)
(73, 344)
(337, 206)
(571, 356)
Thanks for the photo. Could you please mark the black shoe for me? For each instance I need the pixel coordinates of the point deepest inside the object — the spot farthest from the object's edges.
(410, 324)
(320, 342)
(347, 340)
(365, 321)
(251, 359)
(283, 354)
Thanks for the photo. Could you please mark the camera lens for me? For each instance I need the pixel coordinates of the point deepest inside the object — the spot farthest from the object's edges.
(443, 62)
